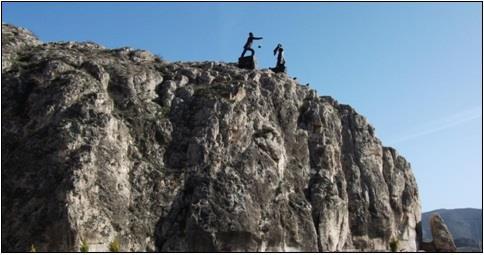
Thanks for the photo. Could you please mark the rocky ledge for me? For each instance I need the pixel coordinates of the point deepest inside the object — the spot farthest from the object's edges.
(116, 144)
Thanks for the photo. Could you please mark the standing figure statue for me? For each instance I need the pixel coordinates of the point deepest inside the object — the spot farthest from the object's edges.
(281, 62)
(248, 44)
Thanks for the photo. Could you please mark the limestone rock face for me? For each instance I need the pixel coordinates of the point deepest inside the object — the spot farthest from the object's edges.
(13, 40)
(101, 144)
(441, 237)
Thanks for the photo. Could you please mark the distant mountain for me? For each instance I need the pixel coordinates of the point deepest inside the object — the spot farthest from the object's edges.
(464, 224)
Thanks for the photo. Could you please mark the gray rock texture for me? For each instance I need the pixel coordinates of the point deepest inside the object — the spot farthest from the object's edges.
(101, 144)
(14, 40)
(441, 237)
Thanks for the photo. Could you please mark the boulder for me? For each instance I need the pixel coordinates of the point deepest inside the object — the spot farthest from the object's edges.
(442, 238)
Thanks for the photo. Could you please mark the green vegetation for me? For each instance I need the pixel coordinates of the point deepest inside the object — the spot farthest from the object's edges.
(114, 246)
(394, 243)
(84, 246)
(164, 112)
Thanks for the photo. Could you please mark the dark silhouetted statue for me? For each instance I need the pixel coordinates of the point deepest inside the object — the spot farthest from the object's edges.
(249, 61)
(281, 62)
(248, 44)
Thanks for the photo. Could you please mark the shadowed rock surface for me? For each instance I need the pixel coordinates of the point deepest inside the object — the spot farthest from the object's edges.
(101, 144)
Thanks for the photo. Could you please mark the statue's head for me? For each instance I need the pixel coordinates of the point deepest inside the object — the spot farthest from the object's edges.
(251, 34)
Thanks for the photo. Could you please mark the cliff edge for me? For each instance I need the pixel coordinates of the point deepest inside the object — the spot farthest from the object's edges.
(116, 144)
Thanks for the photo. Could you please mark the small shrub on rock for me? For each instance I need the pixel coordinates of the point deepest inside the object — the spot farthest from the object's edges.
(394, 243)
(84, 246)
(114, 246)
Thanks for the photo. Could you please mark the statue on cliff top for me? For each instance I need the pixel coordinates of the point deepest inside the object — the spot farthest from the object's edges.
(248, 44)
(281, 62)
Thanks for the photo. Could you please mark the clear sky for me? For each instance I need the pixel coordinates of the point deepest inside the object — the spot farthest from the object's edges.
(413, 69)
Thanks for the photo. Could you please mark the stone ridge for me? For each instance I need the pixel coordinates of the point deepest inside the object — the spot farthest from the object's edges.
(103, 144)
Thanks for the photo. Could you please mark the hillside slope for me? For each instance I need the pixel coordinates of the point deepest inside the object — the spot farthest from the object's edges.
(101, 144)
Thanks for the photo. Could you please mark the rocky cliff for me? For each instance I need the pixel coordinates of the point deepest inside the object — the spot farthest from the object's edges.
(115, 144)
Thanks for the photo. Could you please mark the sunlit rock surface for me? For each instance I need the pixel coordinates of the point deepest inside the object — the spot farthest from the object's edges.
(103, 144)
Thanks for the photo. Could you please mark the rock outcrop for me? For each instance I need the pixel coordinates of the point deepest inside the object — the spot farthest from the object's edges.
(442, 240)
(441, 237)
(101, 144)
(15, 40)
(465, 225)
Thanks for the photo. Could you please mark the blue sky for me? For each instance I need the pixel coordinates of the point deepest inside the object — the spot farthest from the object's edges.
(413, 69)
